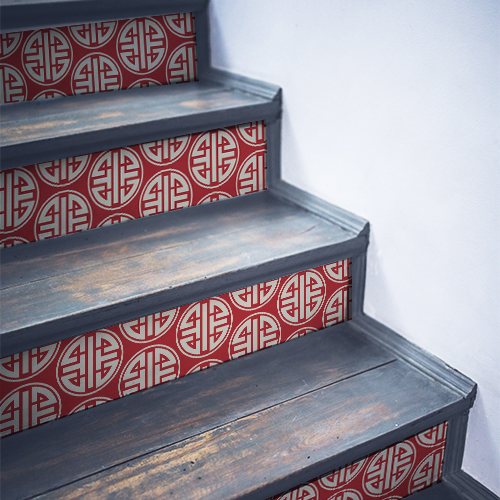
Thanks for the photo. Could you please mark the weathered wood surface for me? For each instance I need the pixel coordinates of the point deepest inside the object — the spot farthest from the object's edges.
(21, 15)
(105, 276)
(55, 454)
(44, 130)
(282, 446)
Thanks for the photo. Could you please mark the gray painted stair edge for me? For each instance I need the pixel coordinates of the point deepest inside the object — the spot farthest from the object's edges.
(21, 15)
(425, 361)
(468, 488)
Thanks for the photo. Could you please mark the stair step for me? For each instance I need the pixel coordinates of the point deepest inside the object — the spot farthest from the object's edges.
(251, 428)
(101, 277)
(39, 131)
(22, 15)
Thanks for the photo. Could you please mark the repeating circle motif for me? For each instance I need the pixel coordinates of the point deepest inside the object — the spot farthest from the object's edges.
(151, 366)
(142, 45)
(47, 56)
(13, 86)
(204, 327)
(301, 297)
(149, 328)
(20, 192)
(93, 35)
(25, 365)
(9, 43)
(89, 362)
(63, 172)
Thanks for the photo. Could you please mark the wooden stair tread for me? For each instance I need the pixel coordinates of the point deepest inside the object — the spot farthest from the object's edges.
(45, 130)
(105, 276)
(249, 428)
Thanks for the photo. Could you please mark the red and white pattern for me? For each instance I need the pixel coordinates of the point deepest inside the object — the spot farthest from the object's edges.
(391, 474)
(64, 196)
(97, 57)
(78, 373)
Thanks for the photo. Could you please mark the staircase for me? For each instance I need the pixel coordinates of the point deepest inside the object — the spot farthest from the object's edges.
(177, 320)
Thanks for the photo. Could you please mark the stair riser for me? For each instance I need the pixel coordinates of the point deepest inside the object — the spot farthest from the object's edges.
(61, 197)
(98, 57)
(47, 383)
(390, 474)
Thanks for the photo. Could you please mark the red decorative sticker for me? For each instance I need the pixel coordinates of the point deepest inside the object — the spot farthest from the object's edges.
(97, 57)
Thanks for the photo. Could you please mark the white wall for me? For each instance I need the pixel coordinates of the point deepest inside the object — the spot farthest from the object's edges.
(391, 110)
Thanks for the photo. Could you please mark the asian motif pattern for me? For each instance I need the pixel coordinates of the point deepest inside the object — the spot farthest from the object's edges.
(390, 474)
(49, 382)
(61, 197)
(97, 57)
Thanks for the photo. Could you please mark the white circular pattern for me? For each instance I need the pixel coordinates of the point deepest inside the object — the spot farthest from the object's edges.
(181, 24)
(166, 191)
(141, 45)
(253, 133)
(28, 406)
(93, 35)
(149, 328)
(434, 436)
(388, 469)
(9, 43)
(338, 478)
(253, 297)
(47, 56)
(337, 308)
(303, 492)
(166, 151)
(12, 85)
(115, 178)
(115, 219)
(339, 271)
(252, 174)
(65, 212)
(301, 297)
(19, 194)
(89, 403)
(89, 362)
(428, 471)
(213, 158)
(25, 365)
(254, 333)
(96, 73)
(182, 64)
(204, 327)
(63, 172)
(153, 365)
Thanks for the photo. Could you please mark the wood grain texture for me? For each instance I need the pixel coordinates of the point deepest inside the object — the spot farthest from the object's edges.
(74, 447)
(21, 15)
(101, 277)
(45, 130)
(267, 452)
